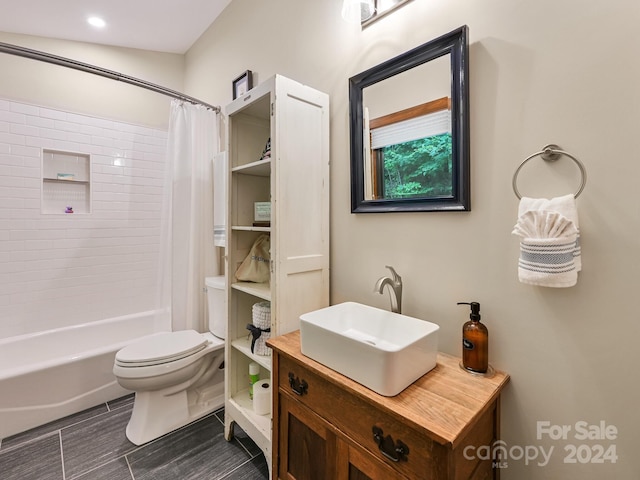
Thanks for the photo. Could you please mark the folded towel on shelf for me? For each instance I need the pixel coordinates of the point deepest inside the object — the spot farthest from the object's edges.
(565, 205)
(547, 249)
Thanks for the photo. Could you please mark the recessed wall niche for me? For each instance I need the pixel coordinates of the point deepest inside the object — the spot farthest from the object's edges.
(66, 182)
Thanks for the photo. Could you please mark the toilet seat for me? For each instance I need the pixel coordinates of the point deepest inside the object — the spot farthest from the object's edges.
(161, 348)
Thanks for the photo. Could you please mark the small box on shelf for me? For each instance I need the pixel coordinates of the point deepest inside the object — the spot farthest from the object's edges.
(261, 213)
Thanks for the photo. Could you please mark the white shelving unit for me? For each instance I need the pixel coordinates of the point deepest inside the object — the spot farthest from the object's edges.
(295, 179)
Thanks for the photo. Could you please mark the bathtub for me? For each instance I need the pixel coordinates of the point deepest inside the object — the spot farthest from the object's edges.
(48, 375)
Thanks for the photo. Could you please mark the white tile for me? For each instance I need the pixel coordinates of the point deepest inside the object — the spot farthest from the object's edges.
(57, 259)
(8, 159)
(90, 130)
(65, 126)
(102, 141)
(52, 133)
(25, 151)
(39, 142)
(13, 117)
(34, 183)
(80, 138)
(24, 108)
(53, 114)
(12, 138)
(108, 168)
(11, 246)
(20, 129)
(25, 172)
(94, 121)
(40, 121)
(92, 149)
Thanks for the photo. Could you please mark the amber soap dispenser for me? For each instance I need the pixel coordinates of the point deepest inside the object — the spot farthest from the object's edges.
(475, 341)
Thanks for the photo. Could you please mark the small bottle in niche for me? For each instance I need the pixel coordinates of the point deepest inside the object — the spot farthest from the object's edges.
(475, 341)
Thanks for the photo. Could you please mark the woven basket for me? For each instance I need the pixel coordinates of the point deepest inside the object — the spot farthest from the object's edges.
(261, 313)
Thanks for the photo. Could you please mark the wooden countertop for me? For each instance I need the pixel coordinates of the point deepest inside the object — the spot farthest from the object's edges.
(443, 404)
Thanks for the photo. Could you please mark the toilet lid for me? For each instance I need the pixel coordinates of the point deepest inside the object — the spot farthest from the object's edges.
(161, 348)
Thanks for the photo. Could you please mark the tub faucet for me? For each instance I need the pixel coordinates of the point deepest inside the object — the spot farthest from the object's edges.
(395, 289)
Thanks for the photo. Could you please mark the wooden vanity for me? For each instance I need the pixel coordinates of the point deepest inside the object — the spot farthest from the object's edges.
(328, 427)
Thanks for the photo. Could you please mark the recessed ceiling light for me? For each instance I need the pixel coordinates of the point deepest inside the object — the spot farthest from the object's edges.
(96, 22)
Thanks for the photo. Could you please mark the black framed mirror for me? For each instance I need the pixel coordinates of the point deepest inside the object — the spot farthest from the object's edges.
(409, 126)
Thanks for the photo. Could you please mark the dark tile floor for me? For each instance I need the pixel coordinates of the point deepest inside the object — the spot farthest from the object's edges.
(91, 445)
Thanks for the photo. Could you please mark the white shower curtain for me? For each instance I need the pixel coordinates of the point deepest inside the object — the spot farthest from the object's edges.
(187, 251)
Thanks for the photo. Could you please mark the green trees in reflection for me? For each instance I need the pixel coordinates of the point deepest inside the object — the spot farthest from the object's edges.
(419, 168)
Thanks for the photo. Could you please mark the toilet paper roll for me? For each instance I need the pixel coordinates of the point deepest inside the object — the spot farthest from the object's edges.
(262, 397)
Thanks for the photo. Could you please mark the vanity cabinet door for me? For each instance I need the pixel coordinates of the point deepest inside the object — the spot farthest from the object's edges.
(310, 448)
(307, 446)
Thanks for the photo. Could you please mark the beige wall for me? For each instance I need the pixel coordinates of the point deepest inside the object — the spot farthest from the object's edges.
(53, 86)
(541, 72)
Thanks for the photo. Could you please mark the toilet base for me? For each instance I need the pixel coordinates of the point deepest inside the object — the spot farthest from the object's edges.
(156, 413)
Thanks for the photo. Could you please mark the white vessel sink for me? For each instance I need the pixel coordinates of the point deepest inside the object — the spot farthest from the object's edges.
(383, 351)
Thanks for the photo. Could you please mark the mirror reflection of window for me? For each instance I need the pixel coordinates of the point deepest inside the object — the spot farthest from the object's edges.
(402, 110)
(410, 152)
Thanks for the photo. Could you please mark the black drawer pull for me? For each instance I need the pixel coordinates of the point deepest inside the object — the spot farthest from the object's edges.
(298, 386)
(394, 451)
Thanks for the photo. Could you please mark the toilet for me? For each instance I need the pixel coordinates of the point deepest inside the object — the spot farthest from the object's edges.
(177, 377)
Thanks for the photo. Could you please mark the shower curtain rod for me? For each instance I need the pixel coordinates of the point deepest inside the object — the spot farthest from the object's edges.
(103, 72)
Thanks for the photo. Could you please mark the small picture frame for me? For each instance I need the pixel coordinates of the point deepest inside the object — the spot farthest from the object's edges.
(242, 84)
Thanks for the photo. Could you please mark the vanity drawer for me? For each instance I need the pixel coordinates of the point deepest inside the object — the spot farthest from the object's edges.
(357, 419)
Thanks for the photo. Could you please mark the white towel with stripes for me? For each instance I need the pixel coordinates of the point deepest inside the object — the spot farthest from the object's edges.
(547, 246)
(565, 205)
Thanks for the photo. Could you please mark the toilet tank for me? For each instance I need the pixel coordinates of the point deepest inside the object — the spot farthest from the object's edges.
(217, 307)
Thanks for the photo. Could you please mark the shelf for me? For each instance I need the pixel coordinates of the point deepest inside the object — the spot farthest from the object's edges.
(261, 168)
(260, 290)
(249, 228)
(60, 180)
(243, 345)
(242, 404)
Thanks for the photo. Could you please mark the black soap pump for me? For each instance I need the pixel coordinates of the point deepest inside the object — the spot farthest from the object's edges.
(475, 341)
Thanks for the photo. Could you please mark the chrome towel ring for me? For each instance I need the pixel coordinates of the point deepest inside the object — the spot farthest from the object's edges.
(551, 153)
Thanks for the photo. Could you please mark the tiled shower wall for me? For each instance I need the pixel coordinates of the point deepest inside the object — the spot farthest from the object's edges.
(59, 270)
